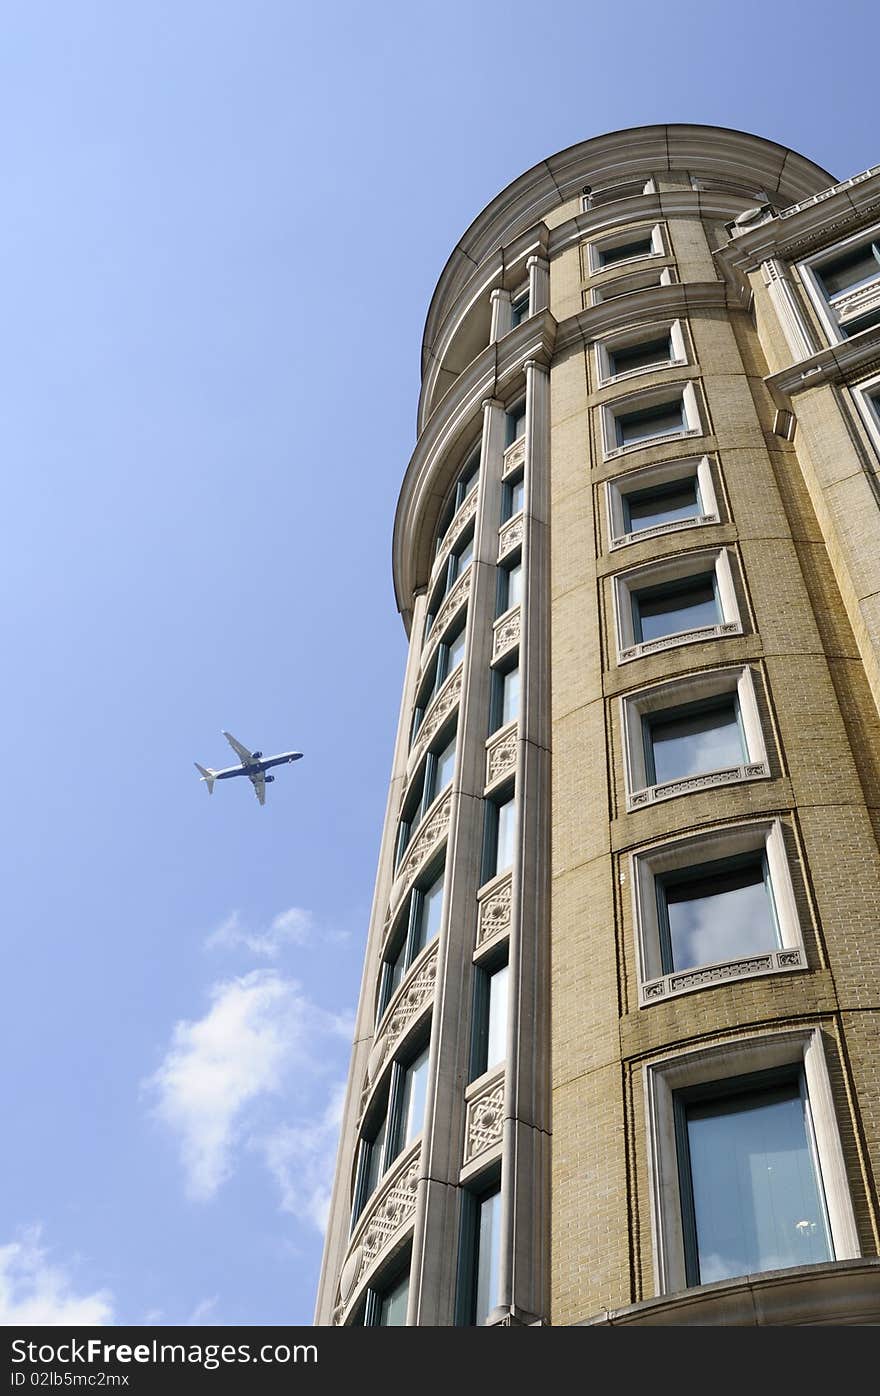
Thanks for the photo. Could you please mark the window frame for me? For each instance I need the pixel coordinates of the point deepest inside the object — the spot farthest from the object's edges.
(866, 295)
(683, 568)
(498, 679)
(393, 1144)
(605, 349)
(484, 973)
(448, 577)
(708, 685)
(643, 481)
(512, 563)
(472, 1199)
(520, 305)
(655, 982)
(406, 936)
(703, 872)
(422, 790)
(438, 670)
(597, 248)
(684, 392)
(470, 471)
(866, 396)
(626, 285)
(494, 803)
(720, 1062)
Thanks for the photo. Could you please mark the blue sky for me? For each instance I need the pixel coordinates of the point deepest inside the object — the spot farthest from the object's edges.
(222, 224)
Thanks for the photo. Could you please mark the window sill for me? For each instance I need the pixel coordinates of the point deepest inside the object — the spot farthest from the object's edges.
(682, 637)
(707, 976)
(648, 441)
(631, 373)
(688, 785)
(660, 530)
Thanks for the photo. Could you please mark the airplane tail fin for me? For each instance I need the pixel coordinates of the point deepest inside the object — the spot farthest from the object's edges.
(207, 776)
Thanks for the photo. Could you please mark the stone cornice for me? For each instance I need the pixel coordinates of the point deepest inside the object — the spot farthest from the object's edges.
(653, 303)
(838, 363)
(798, 231)
(736, 156)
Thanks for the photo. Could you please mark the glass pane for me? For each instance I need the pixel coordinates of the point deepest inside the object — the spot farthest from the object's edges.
(758, 1203)
(412, 1113)
(464, 557)
(519, 312)
(470, 476)
(375, 1161)
(852, 269)
(506, 830)
(649, 508)
(456, 652)
(395, 971)
(719, 915)
(517, 496)
(698, 741)
(444, 768)
(488, 1256)
(655, 351)
(496, 1049)
(514, 586)
(392, 1309)
(650, 421)
(610, 255)
(430, 910)
(661, 611)
(510, 696)
(516, 424)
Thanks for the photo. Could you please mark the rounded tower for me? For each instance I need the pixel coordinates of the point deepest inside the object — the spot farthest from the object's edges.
(616, 1052)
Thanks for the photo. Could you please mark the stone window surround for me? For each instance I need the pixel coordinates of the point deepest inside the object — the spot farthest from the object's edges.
(630, 339)
(674, 693)
(736, 1057)
(825, 308)
(676, 568)
(627, 285)
(620, 238)
(650, 397)
(866, 396)
(665, 472)
(710, 845)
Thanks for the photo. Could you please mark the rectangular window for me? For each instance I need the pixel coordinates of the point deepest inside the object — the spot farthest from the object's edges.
(647, 354)
(693, 738)
(466, 482)
(751, 1193)
(856, 267)
(490, 1019)
(516, 423)
(648, 508)
(411, 1094)
(499, 844)
(663, 419)
(443, 766)
(716, 912)
(373, 1156)
(488, 1257)
(625, 251)
(505, 697)
(418, 924)
(510, 586)
(392, 1305)
(401, 1122)
(512, 498)
(674, 607)
(448, 656)
(519, 311)
(433, 776)
(457, 563)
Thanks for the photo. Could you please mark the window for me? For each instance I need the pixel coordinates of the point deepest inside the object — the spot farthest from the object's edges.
(445, 661)
(747, 1169)
(510, 585)
(418, 924)
(637, 352)
(751, 1194)
(516, 423)
(460, 558)
(519, 310)
(650, 416)
(385, 1304)
(722, 898)
(844, 285)
(512, 496)
(661, 499)
(480, 1272)
(705, 725)
(623, 285)
(867, 399)
(434, 776)
(504, 701)
(490, 1019)
(400, 1121)
(629, 246)
(685, 599)
(499, 844)
(465, 484)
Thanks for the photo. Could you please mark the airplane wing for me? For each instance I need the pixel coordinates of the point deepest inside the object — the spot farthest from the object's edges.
(241, 752)
(259, 783)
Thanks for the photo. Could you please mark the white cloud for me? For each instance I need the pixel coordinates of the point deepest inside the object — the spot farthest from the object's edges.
(302, 1158)
(202, 1311)
(259, 1033)
(291, 927)
(33, 1290)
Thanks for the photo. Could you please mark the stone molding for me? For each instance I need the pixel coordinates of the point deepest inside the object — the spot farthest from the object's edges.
(457, 598)
(705, 976)
(484, 1125)
(514, 456)
(465, 513)
(507, 632)
(653, 794)
(413, 996)
(684, 637)
(510, 536)
(495, 911)
(439, 708)
(659, 530)
(430, 833)
(501, 752)
(386, 1214)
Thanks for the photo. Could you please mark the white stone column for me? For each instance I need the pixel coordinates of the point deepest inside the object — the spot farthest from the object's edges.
(539, 283)
(789, 311)
(502, 314)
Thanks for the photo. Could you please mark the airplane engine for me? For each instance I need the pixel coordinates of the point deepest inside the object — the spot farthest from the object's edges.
(268, 779)
(256, 755)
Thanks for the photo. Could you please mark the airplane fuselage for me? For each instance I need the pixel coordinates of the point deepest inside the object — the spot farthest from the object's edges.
(253, 768)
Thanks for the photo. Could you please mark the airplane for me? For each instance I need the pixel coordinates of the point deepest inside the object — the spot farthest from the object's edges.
(254, 765)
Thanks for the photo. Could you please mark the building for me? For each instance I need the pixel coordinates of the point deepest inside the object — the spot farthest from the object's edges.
(617, 1056)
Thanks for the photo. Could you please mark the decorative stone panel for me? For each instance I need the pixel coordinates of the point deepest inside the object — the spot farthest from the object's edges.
(507, 631)
(514, 457)
(687, 786)
(485, 1118)
(453, 603)
(773, 962)
(510, 536)
(659, 529)
(501, 754)
(685, 637)
(438, 710)
(495, 912)
(411, 998)
(454, 532)
(386, 1214)
(430, 833)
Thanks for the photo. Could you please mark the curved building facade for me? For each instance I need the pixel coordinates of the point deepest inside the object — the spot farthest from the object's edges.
(617, 1056)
